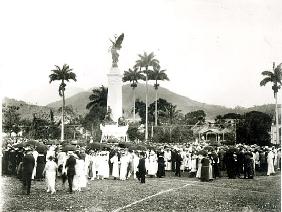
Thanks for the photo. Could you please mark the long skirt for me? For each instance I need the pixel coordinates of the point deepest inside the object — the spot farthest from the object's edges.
(51, 181)
(205, 173)
(198, 175)
(39, 171)
(270, 168)
(210, 172)
(76, 183)
(115, 172)
(168, 166)
(123, 171)
(83, 181)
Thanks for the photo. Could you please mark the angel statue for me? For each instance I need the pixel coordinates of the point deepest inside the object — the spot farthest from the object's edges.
(116, 45)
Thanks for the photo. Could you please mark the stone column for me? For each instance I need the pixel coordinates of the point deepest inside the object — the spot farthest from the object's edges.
(114, 100)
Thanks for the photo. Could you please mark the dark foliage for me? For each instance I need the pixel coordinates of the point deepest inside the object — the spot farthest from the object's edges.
(254, 129)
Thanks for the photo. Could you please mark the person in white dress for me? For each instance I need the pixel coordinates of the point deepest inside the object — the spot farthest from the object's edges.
(270, 166)
(80, 177)
(75, 183)
(62, 158)
(193, 163)
(124, 161)
(200, 157)
(135, 164)
(103, 167)
(152, 164)
(35, 155)
(93, 164)
(187, 161)
(167, 158)
(50, 175)
(115, 162)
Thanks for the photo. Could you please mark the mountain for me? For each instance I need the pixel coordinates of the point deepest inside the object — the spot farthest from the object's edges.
(26, 110)
(80, 100)
(48, 93)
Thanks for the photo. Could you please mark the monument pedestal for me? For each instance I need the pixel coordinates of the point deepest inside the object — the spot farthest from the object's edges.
(110, 131)
(114, 103)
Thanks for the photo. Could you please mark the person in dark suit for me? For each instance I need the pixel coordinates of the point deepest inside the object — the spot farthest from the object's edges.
(161, 165)
(142, 168)
(28, 165)
(173, 159)
(178, 160)
(70, 166)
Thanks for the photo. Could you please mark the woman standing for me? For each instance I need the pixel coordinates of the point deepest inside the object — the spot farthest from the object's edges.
(50, 175)
(270, 166)
(41, 160)
(205, 169)
(115, 162)
(200, 157)
(80, 173)
(124, 161)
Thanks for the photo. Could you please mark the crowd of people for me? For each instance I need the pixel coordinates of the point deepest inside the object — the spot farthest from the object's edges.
(80, 167)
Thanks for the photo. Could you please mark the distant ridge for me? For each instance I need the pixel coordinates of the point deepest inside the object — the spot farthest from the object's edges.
(79, 101)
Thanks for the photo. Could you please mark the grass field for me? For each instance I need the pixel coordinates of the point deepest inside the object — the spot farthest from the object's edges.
(165, 194)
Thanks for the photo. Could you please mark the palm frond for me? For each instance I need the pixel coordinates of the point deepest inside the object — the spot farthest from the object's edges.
(265, 81)
(267, 73)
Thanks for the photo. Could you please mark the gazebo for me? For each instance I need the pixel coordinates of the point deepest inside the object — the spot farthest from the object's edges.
(209, 132)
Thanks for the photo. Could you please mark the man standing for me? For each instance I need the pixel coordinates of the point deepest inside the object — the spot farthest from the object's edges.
(178, 161)
(142, 168)
(28, 165)
(161, 165)
(70, 166)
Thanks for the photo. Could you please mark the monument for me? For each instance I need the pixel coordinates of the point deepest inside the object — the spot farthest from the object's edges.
(114, 125)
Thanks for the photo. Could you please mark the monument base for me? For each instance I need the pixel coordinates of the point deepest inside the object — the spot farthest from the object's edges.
(110, 131)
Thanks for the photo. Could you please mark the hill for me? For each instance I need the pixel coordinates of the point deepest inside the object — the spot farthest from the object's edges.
(26, 110)
(79, 101)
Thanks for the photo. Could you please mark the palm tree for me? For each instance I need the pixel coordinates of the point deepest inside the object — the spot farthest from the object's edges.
(146, 61)
(98, 98)
(97, 107)
(171, 113)
(62, 74)
(157, 74)
(274, 77)
(133, 77)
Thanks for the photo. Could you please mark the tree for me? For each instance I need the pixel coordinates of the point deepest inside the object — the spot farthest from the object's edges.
(195, 117)
(62, 74)
(133, 76)
(39, 128)
(254, 128)
(232, 116)
(274, 77)
(97, 108)
(146, 61)
(171, 113)
(157, 74)
(98, 98)
(140, 108)
(11, 118)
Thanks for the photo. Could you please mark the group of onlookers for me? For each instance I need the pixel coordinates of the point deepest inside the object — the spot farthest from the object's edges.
(77, 167)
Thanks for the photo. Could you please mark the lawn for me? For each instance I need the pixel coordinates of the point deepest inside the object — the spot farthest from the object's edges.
(165, 194)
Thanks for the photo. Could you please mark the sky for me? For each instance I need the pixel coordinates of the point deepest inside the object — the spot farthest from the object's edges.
(213, 50)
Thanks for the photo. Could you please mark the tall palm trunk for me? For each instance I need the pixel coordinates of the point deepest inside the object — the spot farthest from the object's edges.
(146, 125)
(276, 119)
(133, 104)
(156, 108)
(63, 117)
